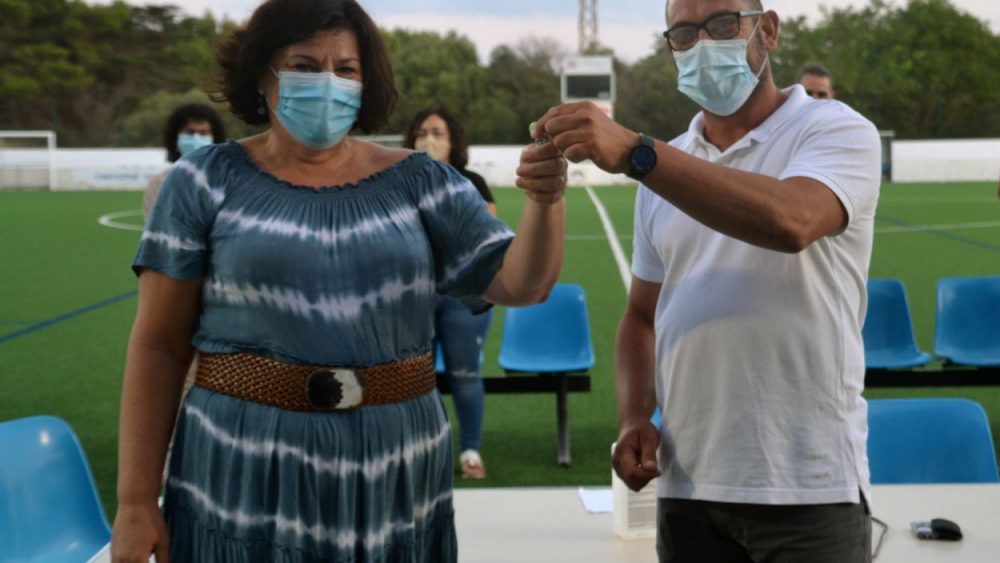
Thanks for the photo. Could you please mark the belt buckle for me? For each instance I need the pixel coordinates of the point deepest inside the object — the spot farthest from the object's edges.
(335, 389)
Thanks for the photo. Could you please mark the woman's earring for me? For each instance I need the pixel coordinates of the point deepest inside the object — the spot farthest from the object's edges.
(261, 105)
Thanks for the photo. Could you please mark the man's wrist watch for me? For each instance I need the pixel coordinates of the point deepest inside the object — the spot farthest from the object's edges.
(642, 158)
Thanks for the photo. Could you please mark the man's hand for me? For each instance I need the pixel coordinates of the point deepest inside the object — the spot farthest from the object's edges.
(542, 173)
(581, 131)
(634, 458)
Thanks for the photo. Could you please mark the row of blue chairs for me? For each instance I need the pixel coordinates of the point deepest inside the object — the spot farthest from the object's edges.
(50, 510)
(966, 330)
(551, 337)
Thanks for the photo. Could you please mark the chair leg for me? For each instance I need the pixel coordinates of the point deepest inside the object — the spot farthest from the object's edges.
(562, 419)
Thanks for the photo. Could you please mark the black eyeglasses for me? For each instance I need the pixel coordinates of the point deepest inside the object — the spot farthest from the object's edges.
(720, 26)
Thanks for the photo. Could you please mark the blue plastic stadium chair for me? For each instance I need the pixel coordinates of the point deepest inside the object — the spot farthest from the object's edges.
(49, 510)
(438, 358)
(967, 330)
(888, 330)
(551, 337)
(930, 441)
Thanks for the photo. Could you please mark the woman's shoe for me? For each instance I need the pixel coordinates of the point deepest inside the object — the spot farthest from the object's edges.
(472, 465)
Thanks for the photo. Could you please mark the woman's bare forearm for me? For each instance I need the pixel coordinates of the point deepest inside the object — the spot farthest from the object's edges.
(532, 263)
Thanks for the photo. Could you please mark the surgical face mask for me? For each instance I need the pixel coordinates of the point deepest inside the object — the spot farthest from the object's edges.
(715, 74)
(190, 142)
(317, 108)
(437, 147)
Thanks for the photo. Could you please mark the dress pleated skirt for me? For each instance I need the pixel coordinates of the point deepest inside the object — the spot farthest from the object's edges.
(254, 483)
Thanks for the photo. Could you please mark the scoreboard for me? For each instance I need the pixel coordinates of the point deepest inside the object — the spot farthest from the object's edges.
(591, 79)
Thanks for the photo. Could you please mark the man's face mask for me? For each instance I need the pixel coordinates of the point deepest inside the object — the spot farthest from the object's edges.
(715, 74)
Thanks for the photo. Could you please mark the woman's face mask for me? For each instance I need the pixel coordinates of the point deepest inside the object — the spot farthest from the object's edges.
(435, 145)
(190, 142)
(317, 108)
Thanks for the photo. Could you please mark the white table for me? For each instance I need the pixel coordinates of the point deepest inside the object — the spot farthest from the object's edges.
(549, 525)
(975, 508)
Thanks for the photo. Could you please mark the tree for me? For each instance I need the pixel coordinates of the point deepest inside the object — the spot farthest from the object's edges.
(648, 99)
(942, 67)
(38, 70)
(144, 126)
(523, 82)
(433, 70)
(81, 69)
(927, 70)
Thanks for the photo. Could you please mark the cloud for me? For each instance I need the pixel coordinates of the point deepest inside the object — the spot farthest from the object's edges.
(630, 42)
(627, 26)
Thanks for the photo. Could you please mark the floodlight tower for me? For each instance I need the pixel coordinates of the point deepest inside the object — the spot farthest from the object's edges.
(589, 77)
(588, 26)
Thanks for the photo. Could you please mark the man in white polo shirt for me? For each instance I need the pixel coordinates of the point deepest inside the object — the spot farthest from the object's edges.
(753, 235)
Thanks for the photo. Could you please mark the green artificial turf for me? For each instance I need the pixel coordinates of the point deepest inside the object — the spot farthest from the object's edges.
(68, 307)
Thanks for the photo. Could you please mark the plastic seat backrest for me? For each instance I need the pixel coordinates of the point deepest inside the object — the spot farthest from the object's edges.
(967, 328)
(438, 357)
(49, 508)
(930, 441)
(551, 337)
(888, 329)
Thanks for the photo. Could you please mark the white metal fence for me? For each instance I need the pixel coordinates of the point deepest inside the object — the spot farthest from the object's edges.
(960, 160)
(131, 169)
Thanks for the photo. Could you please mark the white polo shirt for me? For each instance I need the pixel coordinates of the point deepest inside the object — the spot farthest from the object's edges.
(759, 357)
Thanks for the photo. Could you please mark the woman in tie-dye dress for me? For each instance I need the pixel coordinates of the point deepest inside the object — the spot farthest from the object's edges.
(303, 266)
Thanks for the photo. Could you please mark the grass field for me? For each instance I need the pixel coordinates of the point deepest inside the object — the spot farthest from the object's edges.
(69, 301)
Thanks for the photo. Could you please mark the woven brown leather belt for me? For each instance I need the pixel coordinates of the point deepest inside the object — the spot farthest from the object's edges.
(315, 388)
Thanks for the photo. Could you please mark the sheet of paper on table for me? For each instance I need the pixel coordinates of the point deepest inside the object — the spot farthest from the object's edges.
(598, 500)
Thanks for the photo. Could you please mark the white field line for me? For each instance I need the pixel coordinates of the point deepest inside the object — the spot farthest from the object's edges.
(110, 220)
(904, 200)
(939, 227)
(601, 238)
(981, 225)
(616, 248)
(879, 230)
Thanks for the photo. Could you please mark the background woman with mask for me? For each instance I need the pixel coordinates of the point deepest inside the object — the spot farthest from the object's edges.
(188, 128)
(303, 265)
(436, 132)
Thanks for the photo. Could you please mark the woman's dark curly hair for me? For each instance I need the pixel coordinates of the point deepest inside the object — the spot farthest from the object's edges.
(276, 24)
(459, 155)
(180, 118)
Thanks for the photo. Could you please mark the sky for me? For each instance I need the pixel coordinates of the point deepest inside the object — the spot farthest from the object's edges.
(629, 27)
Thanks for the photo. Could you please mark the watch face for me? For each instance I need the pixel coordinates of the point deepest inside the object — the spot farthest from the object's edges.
(643, 158)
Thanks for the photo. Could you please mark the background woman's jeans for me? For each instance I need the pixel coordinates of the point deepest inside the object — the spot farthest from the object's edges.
(462, 335)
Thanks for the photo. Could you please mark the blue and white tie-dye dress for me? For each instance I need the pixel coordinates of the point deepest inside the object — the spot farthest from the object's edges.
(340, 276)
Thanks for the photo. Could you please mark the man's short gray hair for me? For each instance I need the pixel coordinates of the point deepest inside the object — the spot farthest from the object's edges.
(751, 4)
